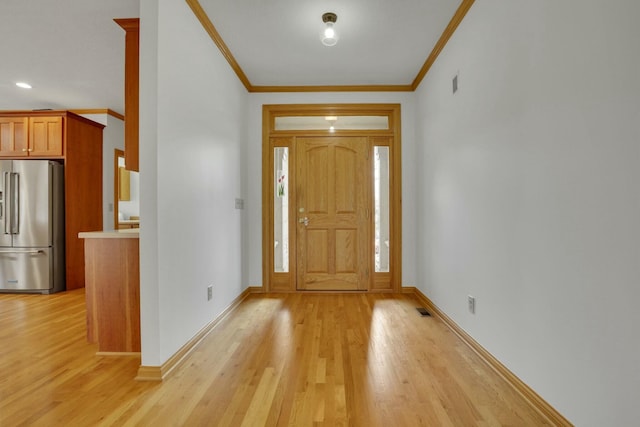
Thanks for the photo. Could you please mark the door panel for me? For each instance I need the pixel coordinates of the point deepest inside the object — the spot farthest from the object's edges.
(346, 175)
(34, 204)
(333, 197)
(25, 269)
(317, 251)
(317, 196)
(5, 170)
(346, 251)
(45, 136)
(13, 136)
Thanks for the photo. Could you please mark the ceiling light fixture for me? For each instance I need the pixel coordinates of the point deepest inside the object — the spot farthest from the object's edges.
(329, 37)
(332, 120)
(23, 85)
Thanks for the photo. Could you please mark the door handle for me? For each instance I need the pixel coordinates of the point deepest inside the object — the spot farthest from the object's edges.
(304, 221)
(15, 203)
(6, 202)
(26, 251)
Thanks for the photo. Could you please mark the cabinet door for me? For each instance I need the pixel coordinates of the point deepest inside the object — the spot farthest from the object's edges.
(13, 136)
(45, 136)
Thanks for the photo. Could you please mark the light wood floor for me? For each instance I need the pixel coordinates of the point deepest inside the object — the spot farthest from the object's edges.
(277, 360)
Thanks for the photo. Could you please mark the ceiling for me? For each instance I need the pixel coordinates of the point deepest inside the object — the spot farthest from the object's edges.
(72, 52)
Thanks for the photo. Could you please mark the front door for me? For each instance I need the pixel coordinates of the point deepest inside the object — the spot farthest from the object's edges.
(333, 199)
(331, 191)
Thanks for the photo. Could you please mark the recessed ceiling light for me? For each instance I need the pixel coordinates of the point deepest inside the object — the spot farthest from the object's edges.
(23, 85)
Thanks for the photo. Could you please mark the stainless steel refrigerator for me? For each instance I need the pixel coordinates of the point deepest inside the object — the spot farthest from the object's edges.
(31, 226)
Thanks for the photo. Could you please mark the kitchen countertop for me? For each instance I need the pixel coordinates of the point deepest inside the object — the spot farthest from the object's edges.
(127, 233)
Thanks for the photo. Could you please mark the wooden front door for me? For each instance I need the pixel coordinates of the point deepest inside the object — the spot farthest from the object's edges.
(333, 200)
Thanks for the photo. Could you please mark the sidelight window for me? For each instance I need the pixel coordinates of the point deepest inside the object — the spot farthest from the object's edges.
(281, 210)
(381, 208)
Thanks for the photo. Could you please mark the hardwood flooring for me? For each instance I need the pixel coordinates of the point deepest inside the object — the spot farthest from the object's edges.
(276, 360)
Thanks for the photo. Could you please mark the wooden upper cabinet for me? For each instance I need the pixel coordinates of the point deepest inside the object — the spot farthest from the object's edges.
(45, 136)
(13, 136)
(31, 136)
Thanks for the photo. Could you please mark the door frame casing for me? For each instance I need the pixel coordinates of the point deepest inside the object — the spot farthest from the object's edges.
(285, 282)
(117, 153)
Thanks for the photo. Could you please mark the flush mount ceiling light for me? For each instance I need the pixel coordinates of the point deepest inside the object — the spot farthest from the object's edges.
(332, 120)
(23, 85)
(329, 37)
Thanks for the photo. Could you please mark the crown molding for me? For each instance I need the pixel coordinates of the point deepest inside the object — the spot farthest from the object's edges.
(99, 111)
(202, 16)
(442, 42)
(341, 88)
(128, 24)
(457, 18)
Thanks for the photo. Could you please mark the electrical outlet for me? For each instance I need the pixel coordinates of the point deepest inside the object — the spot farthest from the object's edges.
(209, 292)
(471, 301)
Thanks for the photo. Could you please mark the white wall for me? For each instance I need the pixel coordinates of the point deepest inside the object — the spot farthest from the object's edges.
(192, 131)
(529, 196)
(254, 167)
(112, 138)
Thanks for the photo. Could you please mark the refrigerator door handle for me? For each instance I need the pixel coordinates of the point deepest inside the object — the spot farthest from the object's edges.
(6, 202)
(26, 251)
(15, 203)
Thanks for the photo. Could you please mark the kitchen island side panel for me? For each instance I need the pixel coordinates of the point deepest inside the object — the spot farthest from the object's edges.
(113, 293)
(83, 191)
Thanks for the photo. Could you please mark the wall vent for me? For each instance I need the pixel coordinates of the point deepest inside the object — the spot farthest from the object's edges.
(423, 311)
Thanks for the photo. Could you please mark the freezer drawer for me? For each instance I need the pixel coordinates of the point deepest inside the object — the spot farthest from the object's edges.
(24, 269)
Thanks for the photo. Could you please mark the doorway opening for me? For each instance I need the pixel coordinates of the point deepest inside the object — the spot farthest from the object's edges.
(332, 197)
(126, 197)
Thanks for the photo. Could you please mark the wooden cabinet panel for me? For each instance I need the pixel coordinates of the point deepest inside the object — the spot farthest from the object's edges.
(131, 91)
(13, 136)
(45, 136)
(83, 191)
(113, 293)
(124, 184)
